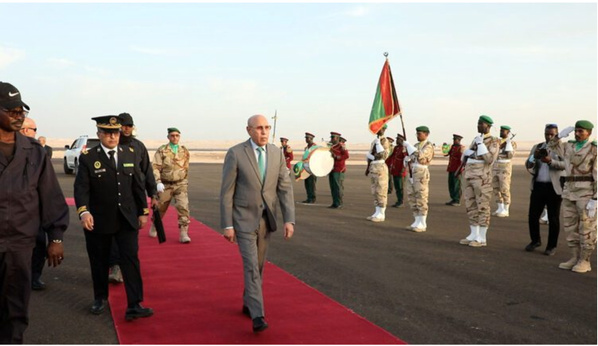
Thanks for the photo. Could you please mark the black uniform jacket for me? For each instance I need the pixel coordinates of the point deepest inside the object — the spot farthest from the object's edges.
(106, 192)
(30, 197)
(144, 163)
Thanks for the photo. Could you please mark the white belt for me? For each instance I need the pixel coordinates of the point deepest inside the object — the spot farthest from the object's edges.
(472, 161)
(378, 161)
(416, 165)
(503, 161)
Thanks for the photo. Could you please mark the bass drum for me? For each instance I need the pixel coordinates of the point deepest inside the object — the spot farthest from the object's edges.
(319, 162)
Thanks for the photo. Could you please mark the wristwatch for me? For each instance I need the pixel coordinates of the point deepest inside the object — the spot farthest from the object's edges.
(57, 241)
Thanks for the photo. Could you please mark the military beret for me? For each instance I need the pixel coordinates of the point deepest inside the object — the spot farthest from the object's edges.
(307, 134)
(457, 136)
(385, 126)
(584, 124)
(283, 139)
(173, 129)
(486, 119)
(334, 134)
(109, 123)
(505, 127)
(422, 129)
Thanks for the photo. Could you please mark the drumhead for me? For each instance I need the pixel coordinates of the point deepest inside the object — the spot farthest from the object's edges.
(319, 162)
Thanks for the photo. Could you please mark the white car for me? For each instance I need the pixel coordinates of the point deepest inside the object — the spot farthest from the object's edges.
(72, 152)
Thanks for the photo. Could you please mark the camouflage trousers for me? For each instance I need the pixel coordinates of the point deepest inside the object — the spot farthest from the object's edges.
(379, 183)
(477, 192)
(178, 192)
(417, 191)
(580, 229)
(501, 182)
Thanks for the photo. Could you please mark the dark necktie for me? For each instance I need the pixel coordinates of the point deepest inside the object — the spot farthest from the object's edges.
(112, 160)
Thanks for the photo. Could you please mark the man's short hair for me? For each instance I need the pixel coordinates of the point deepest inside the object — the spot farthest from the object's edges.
(551, 126)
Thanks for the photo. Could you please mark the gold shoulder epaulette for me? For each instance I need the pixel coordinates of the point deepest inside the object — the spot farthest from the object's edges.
(85, 152)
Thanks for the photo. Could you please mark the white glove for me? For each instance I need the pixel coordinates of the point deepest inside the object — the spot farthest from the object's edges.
(508, 146)
(370, 156)
(591, 208)
(406, 160)
(566, 131)
(532, 159)
(482, 150)
(467, 152)
(160, 187)
(410, 148)
(479, 140)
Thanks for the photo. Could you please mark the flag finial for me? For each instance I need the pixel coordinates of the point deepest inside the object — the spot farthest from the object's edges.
(386, 54)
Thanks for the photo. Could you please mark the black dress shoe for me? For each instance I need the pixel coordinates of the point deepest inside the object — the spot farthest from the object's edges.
(532, 246)
(246, 311)
(334, 206)
(98, 307)
(38, 285)
(550, 252)
(137, 311)
(259, 324)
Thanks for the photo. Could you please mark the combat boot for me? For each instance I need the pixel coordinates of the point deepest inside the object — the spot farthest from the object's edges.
(412, 226)
(583, 265)
(381, 215)
(152, 232)
(473, 234)
(504, 212)
(183, 235)
(573, 261)
(375, 214)
(500, 208)
(420, 226)
(480, 241)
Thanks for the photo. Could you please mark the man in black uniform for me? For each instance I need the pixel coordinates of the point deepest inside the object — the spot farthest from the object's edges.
(110, 199)
(143, 162)
(30, 198)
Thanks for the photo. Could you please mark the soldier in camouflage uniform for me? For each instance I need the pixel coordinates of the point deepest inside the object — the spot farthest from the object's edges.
(477, 182)
(579, 194)
(377, 170)
(171, 167)
(501, 173)
(419, 157)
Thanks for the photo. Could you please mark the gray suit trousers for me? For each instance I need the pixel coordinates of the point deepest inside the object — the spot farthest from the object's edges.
(253, 247)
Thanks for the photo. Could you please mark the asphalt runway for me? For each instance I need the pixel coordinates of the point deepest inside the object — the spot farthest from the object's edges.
(424, 288)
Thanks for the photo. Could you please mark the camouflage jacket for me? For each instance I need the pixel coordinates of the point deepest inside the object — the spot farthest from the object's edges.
(579, 165)
(170, 167)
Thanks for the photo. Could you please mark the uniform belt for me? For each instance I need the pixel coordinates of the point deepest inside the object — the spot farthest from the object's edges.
(503, 161)
(171, 181)
(470, 161)
(378, 161)
(579, 178)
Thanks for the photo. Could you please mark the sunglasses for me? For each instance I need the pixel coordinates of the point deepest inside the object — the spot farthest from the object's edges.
(31, 128)
(15, 113)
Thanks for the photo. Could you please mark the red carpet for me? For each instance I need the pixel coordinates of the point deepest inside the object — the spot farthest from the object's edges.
(195, 290)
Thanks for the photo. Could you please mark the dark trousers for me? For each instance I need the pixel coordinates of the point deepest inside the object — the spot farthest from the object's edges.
(398, 182)
(98, 250)
(310, 187)
(454, 184)
(336, 187)
(114, 255)
(38, 258)
(15, 289)
(543, 195)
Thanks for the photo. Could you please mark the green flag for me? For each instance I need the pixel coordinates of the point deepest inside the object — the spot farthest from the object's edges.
(386, 104)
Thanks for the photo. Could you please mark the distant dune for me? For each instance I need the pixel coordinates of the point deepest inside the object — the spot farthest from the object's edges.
(214, 151)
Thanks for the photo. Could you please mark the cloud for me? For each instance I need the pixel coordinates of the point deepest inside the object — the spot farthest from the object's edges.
(61, 62)
(9, 55)
(358, 11)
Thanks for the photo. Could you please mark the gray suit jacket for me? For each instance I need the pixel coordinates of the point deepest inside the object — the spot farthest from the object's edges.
(555, 170)
(243, 197)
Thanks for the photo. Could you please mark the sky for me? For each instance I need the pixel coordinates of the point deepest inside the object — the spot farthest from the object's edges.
(206, 67)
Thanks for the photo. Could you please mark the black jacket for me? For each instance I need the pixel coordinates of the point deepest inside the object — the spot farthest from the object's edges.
(144, 163)
(106, 192)
(30, 196)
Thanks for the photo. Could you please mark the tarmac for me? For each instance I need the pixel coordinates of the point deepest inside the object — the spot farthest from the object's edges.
(425, 288)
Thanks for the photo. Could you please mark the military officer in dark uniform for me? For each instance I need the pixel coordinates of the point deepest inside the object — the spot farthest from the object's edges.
(310, 182)
(110, 199)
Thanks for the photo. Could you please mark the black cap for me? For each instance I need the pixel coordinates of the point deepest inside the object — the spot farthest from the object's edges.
(126, 119)
(10, 97)
(108, 123)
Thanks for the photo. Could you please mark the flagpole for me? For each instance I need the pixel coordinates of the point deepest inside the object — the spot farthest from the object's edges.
(274, 130)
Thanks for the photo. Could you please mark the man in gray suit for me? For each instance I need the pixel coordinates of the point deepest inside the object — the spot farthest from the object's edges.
(254, 180)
